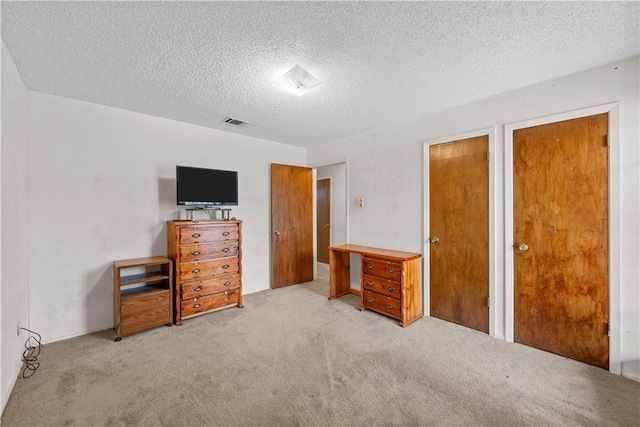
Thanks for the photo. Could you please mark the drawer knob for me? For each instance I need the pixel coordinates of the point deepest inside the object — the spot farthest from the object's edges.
(195, 235)
(391, 289)
(370, 267)
(225, 250)
(227, 283)
(226, 266)
(198, 289)
(390, 307)
(195, 253)
(370, 283)
(225, 233)
(371, 300)
(195, 270)
(197, 305)
(390, 270)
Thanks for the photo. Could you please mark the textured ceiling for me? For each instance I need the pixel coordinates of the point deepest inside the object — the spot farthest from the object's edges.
(381, 63)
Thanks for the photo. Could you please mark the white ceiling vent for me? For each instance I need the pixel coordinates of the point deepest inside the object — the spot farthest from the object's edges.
(234, 122)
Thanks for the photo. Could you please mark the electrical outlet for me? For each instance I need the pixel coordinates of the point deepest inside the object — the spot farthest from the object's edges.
(18, 327)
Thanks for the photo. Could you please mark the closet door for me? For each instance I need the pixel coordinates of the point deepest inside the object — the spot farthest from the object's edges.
(561, 238)
(459, 232)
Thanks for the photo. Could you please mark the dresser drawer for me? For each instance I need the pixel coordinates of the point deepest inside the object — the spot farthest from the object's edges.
(145, 310)
(381, 303)
(381, 286)
(189, 235)
(380, 268)
(210, 302)
(199, 252)
(197, 288)
(197, 270)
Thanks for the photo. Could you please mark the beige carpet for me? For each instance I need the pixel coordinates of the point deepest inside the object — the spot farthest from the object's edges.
(291, 357)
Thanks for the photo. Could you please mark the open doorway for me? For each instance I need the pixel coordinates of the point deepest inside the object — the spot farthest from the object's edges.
(331, 194)
(323, 214)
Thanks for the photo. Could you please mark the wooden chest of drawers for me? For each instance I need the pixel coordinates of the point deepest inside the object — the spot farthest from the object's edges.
(207, 258)
(392, 288)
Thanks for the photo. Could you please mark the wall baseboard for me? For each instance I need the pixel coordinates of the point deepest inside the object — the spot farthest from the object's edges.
(631, 377)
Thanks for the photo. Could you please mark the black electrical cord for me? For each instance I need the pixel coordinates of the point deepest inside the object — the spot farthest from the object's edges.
(30, 354)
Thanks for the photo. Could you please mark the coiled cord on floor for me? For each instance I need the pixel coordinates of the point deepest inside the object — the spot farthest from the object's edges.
(30, 354)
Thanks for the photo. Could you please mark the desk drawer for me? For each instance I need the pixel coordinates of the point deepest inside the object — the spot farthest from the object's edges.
(385, 269)
(381, 303)
(381, 286)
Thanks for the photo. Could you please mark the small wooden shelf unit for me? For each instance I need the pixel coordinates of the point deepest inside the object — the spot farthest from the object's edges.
(390, 281)
(141, 300)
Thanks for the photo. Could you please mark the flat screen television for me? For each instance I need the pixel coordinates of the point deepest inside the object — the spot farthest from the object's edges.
(206, 187)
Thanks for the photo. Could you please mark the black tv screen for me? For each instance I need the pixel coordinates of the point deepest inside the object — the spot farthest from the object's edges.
(206, 187)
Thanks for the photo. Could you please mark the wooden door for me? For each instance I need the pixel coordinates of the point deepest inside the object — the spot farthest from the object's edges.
(459, 228)
(323, 207)
(291, 225)
(561, 237)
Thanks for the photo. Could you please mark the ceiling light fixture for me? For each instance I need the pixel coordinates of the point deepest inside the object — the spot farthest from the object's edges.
(297, 81)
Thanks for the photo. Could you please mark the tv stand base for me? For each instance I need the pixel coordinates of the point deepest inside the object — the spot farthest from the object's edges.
(212, 212)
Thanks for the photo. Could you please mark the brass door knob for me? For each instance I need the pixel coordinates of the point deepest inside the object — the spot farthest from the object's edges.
(276, 232)
(522, 246)
(434, 239)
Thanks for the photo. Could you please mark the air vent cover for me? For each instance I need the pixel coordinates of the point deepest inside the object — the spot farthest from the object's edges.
(234, 122)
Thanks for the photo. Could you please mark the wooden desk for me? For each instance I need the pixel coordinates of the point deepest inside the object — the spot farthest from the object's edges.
(391, 281)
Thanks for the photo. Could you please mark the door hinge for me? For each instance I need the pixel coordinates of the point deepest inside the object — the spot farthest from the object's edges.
(488, 301)
(606, 140)
(607, 328)
(488, 156)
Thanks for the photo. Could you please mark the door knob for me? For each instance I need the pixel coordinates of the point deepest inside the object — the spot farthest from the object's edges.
(522, 246)
(276, 232)
(327, 226)
(434, 239)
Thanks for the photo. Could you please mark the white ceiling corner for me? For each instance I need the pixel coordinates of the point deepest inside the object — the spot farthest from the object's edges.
(380, 63)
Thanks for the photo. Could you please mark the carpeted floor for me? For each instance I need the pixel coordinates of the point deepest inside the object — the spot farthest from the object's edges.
(291, 357)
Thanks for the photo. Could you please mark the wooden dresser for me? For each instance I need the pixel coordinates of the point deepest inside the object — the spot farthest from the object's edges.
(391, 281)
(207, 258)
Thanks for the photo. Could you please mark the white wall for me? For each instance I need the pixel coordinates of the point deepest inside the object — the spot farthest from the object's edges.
(102, 186)
(385, 168)
(13, 232)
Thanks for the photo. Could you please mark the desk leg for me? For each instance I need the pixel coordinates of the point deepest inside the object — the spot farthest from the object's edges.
(339, 276)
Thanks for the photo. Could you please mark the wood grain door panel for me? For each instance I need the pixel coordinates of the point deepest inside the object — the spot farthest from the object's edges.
(459, 220)
(561, 213)
(323, 198)
(291, 225)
